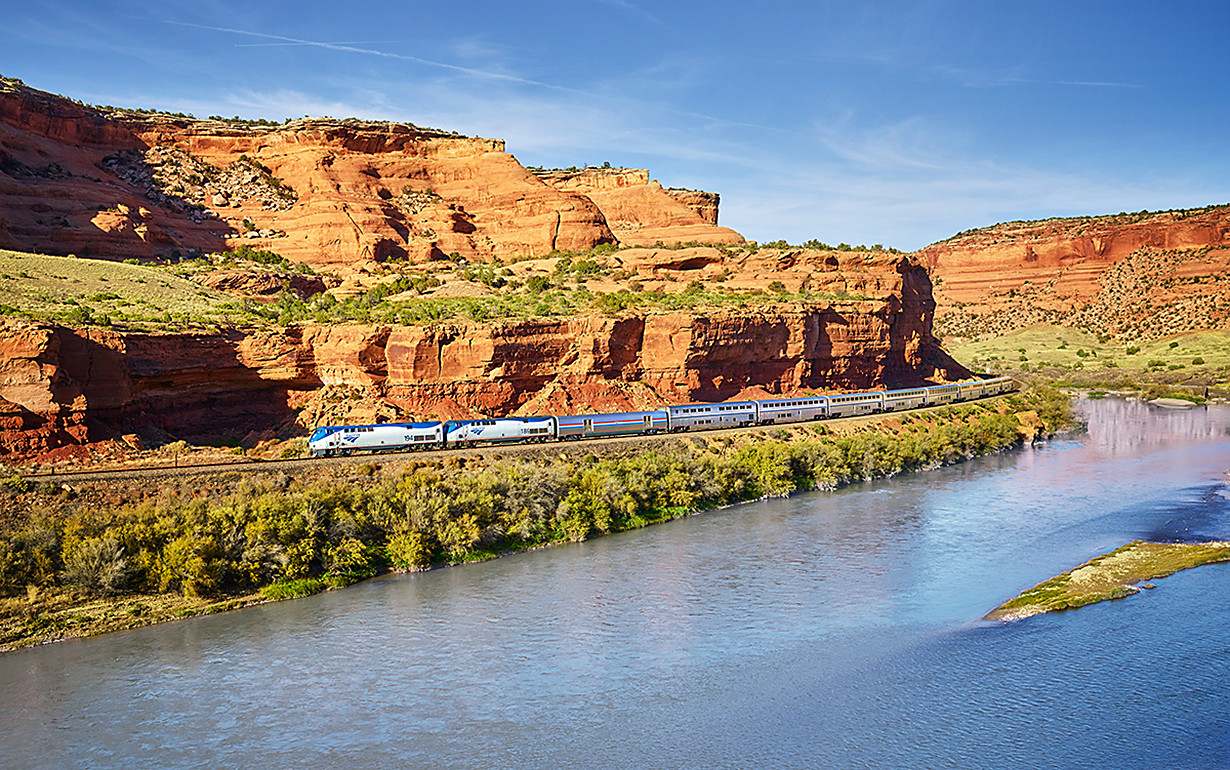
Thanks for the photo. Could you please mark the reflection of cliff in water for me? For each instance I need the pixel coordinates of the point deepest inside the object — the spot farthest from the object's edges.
(1122, 425)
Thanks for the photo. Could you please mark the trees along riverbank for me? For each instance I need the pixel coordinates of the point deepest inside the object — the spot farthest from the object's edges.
(111, 556)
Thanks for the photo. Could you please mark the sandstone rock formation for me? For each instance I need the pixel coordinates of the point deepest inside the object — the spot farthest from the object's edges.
(263, 285)
(640, 212)
(116, 183)
(1130, 275)
(62, 385)
(347, 195)
(705, 204)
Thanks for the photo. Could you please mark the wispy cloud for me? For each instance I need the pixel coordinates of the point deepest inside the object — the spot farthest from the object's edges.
(1089, 83)
(486, 74)
(633, 9)
(341, 43)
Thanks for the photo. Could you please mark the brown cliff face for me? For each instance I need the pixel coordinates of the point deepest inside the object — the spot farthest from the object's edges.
(120, 184)
(640, 212)
(1131, 275)
(62, 386)
(705, 204)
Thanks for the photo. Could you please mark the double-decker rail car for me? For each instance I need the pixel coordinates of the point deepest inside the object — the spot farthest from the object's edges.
(506, 430)
(993, 386)
(385, 437)
(792, 409)
(978, 389)
(712, 416)
(943, 394)
(856, 403)
(580, 426)
(905, 399)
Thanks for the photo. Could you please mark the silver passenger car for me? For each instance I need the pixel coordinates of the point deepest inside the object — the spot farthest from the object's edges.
(712, 416)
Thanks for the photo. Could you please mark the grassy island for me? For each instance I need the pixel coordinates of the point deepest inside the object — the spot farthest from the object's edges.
(1112, 575)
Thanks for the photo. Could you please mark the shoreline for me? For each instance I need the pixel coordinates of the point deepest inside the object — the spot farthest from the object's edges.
(574, 492)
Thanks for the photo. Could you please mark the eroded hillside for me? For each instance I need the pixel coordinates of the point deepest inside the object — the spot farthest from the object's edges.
(108, 182)
(1128, 276)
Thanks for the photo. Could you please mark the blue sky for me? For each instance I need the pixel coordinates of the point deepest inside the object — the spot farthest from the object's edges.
(879, 121)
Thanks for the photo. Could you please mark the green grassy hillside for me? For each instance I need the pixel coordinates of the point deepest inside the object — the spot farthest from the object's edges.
(91, 291)
(1080, 356)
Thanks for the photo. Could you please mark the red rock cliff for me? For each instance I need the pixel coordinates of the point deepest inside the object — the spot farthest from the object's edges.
(640, 211)
(62, 386)
(1113, 274)
(74, 179)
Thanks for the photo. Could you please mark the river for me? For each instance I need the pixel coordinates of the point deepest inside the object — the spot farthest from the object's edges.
(823, 630)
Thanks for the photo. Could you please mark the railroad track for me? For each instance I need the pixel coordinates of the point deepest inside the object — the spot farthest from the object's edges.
(549, 448)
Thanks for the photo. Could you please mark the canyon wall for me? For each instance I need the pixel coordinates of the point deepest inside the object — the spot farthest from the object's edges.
(61, 386)
(1128, 275)
(121, 184)
(349, 195)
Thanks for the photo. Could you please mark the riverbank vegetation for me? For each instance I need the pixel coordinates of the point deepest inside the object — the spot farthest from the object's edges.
(75, 561)
(1112, 575)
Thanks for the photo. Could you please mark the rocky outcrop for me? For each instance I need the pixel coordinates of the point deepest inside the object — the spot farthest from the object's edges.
(62, 386)
(1130, 275)
(265, 286)
(642, 213)
(705, 204)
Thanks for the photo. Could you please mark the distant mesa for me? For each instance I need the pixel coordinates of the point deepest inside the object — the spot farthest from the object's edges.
(1129, 276)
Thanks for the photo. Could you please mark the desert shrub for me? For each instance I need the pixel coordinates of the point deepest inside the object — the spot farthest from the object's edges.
(191, 564)
(408, 550)
(537, 283)
(97, 566)
(352, 559)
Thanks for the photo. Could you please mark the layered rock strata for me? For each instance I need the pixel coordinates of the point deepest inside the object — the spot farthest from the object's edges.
(1129, 275)
(61, 385)
(120, 184)
(639, 211)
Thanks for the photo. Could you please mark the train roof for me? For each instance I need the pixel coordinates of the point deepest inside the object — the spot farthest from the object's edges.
(537, 418)
(324, 430)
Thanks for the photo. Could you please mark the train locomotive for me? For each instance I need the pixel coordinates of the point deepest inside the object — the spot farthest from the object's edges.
(333, 440)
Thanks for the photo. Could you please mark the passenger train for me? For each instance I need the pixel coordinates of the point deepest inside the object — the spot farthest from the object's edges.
(452, 434)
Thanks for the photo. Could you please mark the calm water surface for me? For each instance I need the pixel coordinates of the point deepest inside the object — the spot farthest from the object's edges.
(825, 630)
